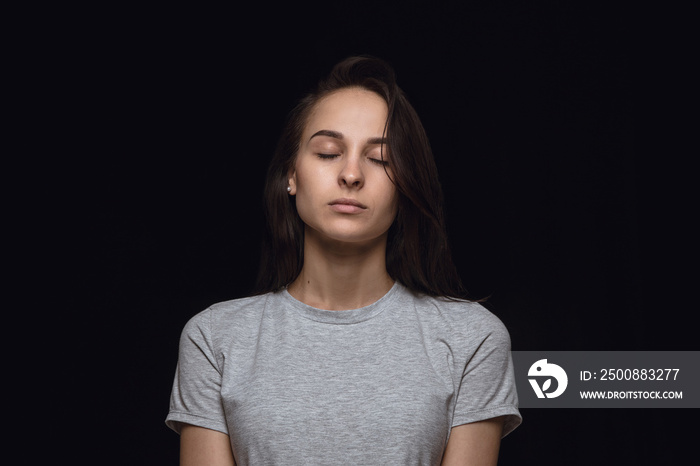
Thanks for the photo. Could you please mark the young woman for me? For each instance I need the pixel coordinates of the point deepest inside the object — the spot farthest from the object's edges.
(359, 347)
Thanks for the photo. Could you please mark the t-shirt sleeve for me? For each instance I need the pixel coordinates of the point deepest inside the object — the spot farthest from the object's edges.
(196, 395)
(487, 387)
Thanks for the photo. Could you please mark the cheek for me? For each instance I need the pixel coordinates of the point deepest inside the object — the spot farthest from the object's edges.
(390, 196)
(308, 192)
(308, 175)
(389, 205)
(307, 185)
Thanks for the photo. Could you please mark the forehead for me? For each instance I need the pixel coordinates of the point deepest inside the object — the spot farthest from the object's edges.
(351, 108)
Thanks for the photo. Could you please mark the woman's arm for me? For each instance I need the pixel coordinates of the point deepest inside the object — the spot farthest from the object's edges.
(474, 444)
(204, 447)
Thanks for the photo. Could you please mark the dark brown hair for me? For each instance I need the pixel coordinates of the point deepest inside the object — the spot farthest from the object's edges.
(418, 255)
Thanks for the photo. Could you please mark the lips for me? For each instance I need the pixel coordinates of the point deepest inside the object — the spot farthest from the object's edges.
(347, 206)
(345, 201)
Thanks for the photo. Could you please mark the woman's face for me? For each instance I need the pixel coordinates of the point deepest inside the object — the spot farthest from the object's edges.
(342, 189)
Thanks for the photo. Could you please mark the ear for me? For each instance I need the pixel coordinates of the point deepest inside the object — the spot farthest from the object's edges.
(292, 182)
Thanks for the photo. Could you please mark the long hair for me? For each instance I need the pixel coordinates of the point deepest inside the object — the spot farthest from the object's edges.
(418, 254)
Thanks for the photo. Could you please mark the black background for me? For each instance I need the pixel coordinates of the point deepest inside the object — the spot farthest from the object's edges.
(169, 117)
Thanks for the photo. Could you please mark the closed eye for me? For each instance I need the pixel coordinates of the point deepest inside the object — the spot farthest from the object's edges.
(327, 156)
(383, 163)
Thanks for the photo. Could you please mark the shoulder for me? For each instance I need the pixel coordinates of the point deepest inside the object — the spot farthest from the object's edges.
(227, 316)
(462, 319)
(240, 308)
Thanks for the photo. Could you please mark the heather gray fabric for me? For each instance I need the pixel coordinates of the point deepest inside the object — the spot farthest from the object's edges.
(384, 384)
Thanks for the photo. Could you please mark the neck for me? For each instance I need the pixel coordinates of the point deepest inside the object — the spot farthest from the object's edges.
(341, 276)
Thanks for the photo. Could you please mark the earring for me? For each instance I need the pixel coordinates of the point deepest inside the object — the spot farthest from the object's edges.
(289, 189)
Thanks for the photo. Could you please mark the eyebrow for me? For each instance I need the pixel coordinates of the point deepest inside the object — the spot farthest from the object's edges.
(327, 132)
(339, 135)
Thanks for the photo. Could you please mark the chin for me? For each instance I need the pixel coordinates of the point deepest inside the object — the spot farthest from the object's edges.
(351, 237)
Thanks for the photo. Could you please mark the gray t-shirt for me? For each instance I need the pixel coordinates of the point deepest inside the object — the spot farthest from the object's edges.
(384, 384)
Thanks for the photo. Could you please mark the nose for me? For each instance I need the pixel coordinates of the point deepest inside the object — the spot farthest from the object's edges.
(351, 173)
